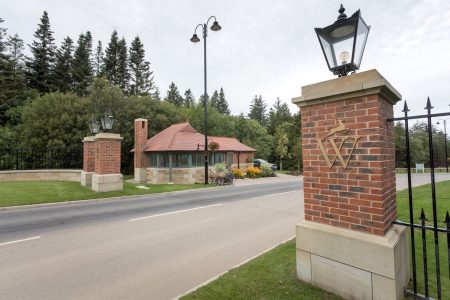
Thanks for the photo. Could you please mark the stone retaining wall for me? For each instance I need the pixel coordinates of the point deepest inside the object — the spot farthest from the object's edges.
(40, 175)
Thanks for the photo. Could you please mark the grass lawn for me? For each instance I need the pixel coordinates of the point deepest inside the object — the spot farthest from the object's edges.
(422, 199)
(270, 276)
(34, 192)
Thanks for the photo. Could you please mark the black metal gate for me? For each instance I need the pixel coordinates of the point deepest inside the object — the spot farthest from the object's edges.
(423, 285)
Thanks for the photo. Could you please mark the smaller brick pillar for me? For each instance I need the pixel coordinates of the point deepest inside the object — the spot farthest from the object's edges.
(140, 158)
(346, 242)
(107, 175)
(88, 161)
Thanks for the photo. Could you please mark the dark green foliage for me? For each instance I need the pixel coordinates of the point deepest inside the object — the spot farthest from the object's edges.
(173, 95)
(82, 70)
(110, 60)
(98, 60)
(278, 114)
(215, 100)
(40, 74)
(189, 99)
(123, 75)
(258, 110)
(201, 100)
(222, 105)
(12, 81)
(63, 66)
(141, 78)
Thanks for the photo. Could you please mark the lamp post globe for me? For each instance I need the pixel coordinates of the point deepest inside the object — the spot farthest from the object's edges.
(343, 42)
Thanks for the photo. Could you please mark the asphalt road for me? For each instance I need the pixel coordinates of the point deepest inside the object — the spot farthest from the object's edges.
(153, 247)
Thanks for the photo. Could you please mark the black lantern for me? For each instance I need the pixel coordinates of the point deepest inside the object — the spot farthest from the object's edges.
(107, 121)
(94, 126)
(343, 42)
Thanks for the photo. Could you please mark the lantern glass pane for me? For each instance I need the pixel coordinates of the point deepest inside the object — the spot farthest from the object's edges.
(343, 51)
(327, 49)
(360, 43)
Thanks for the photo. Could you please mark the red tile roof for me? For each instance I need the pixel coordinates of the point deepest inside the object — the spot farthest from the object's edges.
(183, 137)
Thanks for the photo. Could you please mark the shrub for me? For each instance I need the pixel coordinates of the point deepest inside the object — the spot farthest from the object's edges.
(266, 171)
(253, 172)
(238, 173)
(221, 168)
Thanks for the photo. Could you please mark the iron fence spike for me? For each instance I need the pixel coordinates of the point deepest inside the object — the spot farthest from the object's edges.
(405, 108)
(429, 106)
(422, 215)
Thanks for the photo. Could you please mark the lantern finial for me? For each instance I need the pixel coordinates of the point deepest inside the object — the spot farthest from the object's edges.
(341, 13)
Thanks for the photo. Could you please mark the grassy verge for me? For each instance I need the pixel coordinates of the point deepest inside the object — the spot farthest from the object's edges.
(270, 276)
(34, 192)
(422, 199)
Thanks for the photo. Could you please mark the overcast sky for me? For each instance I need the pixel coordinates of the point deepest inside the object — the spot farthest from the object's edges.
(265, 47)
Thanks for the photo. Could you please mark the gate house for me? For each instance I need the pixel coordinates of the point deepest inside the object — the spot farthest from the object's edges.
(176, 154)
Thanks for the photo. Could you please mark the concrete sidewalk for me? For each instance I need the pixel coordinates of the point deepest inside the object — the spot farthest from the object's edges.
(266, 180)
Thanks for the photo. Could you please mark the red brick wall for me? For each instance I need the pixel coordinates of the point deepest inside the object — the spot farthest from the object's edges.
(107, 156)
(140, 140)
(361, 197)
(88, 156)
(243, 157)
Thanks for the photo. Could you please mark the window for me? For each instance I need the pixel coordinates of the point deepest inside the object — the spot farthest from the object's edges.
(154, 160)
(197, 159)
(180, 160)
(219, 157)
(163, 160)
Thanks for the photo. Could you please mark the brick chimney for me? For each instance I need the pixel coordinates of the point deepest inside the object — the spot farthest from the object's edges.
(140, 158)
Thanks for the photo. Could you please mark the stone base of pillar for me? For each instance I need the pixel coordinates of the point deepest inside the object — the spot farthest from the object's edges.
(86, 179)
(107, 182)
(351, 264)
(140, 175)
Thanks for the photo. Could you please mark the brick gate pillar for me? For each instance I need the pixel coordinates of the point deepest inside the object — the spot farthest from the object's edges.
(140, 158)
(88, 161)
(346, 242)
(107, 175)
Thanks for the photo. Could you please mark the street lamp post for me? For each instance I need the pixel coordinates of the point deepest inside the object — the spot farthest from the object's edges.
(195, 39)
(445, 138)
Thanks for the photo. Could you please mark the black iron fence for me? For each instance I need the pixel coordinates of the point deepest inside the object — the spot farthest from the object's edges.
(48, 158)
(429, 284)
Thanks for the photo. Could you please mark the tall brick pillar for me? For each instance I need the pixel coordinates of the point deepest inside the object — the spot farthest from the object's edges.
(140, 158)
(88, 161)
(346, 242)
(107, 175)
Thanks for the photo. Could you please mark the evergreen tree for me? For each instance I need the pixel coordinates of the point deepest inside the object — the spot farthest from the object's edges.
(63, 66)
(12, 81)
(258, 110)
(278, 114)
(98, 60)
(40, 66)
(140, 75)
(222, 106)
(156, 94)
(201, 100)
(215, 100)
(173, 95)
(189, 99)
(16, 46)
(123, 75)
(110, 60)
(81, 64)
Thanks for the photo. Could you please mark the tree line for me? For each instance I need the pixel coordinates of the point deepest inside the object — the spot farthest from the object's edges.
(47, 98)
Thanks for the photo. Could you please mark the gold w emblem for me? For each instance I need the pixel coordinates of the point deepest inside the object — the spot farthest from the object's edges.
(337, 146)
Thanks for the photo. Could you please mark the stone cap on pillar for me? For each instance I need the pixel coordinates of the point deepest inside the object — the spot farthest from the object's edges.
(108, 136)
(346, 87)
(88, 139)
